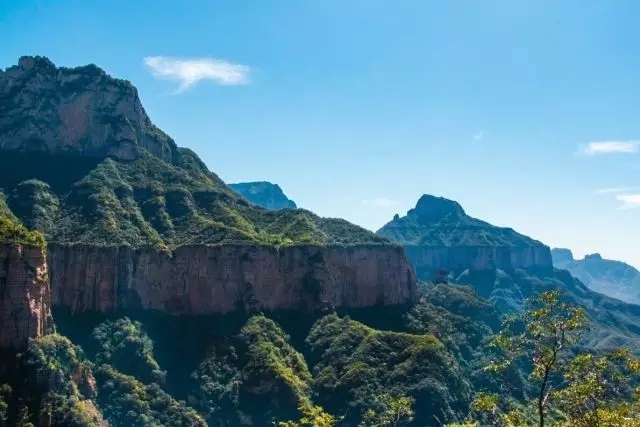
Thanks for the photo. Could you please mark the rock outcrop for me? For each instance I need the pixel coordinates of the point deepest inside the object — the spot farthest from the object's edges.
(438, 234)
(80, 110)
(24, 295)
(219, 279)
(265, 194)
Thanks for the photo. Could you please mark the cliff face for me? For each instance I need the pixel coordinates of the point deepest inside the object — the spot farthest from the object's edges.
(220, 279)
(438, 234)
(428, 259)
(75, 110)
(24, 295)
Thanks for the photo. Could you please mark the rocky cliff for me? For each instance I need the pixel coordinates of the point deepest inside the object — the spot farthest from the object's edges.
(438, 234)
(265, 194)
(24, 295)
(78, 110)
(220, 279)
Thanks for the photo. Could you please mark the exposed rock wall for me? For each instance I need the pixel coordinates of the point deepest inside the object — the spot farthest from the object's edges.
(428, 259)
(219, 279)
(24, 295)
(75, 110)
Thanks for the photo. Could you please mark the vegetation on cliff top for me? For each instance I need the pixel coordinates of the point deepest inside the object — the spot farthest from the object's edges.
(13, 232)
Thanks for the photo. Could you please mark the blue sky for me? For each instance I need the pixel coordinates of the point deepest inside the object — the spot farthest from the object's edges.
(521, 111)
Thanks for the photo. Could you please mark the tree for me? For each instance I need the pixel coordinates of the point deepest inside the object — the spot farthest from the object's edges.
(395, 411)
(541, 335)
(312, 416)
(596, 392)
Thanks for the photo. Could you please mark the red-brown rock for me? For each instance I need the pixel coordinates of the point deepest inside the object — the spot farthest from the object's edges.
(220, 279)
(24, 295)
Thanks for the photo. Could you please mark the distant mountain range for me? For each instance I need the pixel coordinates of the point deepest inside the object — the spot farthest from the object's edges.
(613, 278)
(265, 194)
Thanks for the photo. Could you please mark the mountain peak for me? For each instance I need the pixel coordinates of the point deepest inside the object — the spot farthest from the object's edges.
(561, 255)
(80, 110)
(593, 257)
(432, 208)
(265, 194)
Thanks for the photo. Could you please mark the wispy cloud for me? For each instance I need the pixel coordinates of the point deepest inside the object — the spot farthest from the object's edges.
(610, 147)
(629, 201)
(478, 136)
(380, 202)
(188, 72)
(615, 190)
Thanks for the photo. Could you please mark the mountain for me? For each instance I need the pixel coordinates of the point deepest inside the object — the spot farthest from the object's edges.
(265, 194)
(134, 221)
(503, 266)
(613, 278)
(438, 234)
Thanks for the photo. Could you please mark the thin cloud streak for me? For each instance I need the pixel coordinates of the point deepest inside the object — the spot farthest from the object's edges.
(188, 72)
(629, 201)
(611, 147)
(380, 202)
(615, 190)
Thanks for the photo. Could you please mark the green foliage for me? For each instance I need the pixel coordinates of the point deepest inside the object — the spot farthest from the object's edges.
(125, 346)
(542, 335)
(150, 201)
(127, 402)
(396, 411)
(355, 363)
(13, 232)
(312, 416)
(597, 387)
(63, 382)
(216, 394)
(274, 371)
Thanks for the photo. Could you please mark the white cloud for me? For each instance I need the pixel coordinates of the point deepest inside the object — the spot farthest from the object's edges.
(188, 72)
(614, 190)
(611, 147)
(478, 136)
(380, 202)
(629, 201)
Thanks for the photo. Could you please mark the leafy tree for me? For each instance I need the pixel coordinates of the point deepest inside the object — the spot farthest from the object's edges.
(396, 411)
(312, 416)
(541, 335)
(596, 392)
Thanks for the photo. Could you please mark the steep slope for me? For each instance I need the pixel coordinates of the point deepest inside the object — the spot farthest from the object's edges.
(265, 194)
(83, 164)
(613, 278)
(438, 234)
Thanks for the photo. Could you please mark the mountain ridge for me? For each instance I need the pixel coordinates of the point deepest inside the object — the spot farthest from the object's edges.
(614, 278)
